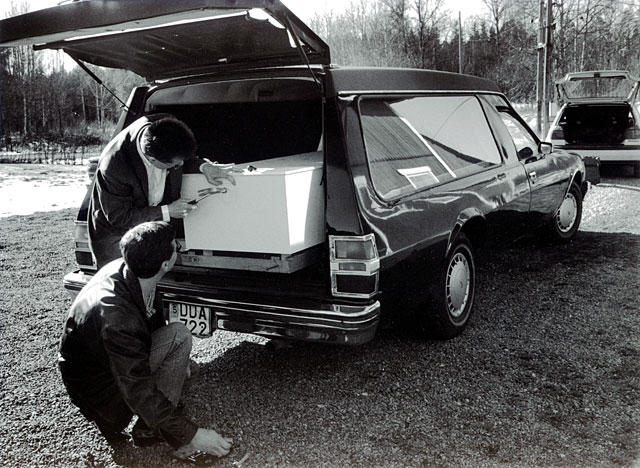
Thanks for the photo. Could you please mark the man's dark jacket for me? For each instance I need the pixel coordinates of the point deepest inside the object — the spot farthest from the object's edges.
(120, 193)
(104, 355)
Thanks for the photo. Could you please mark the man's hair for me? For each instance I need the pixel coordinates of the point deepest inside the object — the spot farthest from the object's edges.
(146, 246)
(169, 138)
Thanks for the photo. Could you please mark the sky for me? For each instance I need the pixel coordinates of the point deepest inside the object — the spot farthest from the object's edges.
(306, 9)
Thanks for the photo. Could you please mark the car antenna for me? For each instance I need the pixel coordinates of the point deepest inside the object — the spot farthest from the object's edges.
(98, 80)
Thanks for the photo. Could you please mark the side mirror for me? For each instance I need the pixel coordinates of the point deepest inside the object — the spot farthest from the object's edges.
(545, 148)
(525, 153)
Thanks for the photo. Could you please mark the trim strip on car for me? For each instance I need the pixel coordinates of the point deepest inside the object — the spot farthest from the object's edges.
(360, 92)
(329, 312)
(337, 312)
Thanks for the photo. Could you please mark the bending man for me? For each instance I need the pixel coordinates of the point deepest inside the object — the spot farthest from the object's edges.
(138, 179)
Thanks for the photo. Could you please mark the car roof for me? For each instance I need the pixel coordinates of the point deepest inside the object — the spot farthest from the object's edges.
(167, 39)
(362, 80)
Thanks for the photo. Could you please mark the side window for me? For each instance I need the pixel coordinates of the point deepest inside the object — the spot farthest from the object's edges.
(524, 142)
(503, 137)
(418, 142)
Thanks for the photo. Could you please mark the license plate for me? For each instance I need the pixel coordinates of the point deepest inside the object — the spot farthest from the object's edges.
(197, 318)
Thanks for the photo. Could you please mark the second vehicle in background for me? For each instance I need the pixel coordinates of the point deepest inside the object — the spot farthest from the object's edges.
(600, 117)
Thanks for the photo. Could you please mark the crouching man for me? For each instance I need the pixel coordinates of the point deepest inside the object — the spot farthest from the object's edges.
(118, 357)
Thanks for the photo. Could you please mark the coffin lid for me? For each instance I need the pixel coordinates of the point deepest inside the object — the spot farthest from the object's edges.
(162, 39)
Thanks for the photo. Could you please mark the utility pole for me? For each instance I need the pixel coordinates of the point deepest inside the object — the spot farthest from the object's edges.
(540, 69)
(459, 42)
(548, 86)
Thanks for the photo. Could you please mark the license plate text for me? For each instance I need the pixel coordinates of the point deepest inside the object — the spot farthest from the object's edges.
(196, 318)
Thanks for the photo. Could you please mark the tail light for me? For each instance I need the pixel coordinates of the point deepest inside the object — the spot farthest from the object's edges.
(632, 133)
(354, 266)
(81, 235)
(557, 133)
(81, 239)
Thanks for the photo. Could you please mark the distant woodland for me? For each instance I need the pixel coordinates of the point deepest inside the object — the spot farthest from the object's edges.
(46, 105)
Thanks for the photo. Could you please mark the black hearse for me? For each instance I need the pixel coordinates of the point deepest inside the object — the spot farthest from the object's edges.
(416, 169)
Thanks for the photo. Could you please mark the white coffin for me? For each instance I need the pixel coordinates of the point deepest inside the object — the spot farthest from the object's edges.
(277, 208)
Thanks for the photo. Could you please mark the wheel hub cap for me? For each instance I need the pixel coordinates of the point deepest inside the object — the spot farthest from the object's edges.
(567, 213)
(458, 285)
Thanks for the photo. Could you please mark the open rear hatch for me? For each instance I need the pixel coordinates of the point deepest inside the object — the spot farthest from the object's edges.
(160, 40)
(598, 86)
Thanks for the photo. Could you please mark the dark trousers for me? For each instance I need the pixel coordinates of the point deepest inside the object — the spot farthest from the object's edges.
(112, 428)
(168, 361)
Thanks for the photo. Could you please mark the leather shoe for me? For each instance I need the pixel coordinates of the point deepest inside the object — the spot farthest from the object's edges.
(144, 436)
(116, 439)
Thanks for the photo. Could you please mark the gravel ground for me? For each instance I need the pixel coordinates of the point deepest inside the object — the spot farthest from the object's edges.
(546, 375)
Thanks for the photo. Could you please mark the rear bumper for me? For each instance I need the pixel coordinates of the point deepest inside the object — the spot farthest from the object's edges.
(615, 155)
(306, 320)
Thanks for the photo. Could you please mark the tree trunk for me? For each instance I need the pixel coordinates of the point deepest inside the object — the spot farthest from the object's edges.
(44, 115)
(575, 38)
(25, 120)
(84, 106)
(98, 107)
(584, 35)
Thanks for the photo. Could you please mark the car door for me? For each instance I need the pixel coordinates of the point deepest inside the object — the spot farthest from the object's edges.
(433, 163)
(547, 180)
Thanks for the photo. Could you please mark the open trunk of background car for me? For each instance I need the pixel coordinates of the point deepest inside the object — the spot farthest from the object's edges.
(596, 124)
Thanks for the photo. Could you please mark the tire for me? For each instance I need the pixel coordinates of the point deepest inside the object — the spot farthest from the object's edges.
(452, 296)
(566, 221)
(636, 171)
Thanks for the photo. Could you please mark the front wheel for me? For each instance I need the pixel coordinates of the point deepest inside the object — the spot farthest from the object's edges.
(453, 294)
(566, 220)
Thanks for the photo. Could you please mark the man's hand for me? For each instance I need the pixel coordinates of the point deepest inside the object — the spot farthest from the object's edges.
(208, 441)
(216, 174)
(180, 208)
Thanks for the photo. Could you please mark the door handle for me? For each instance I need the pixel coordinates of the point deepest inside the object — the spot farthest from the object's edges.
(501, 176)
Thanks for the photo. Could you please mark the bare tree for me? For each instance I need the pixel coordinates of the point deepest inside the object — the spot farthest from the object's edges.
(399, 22)
(498, 10)
(429, 16)
(23, 64)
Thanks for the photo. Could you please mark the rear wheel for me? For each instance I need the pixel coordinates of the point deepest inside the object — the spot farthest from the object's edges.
(565, 222)
(452, 297)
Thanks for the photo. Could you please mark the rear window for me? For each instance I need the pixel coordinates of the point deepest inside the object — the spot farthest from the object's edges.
(413, 143)
(599, 87)
(247, 120)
